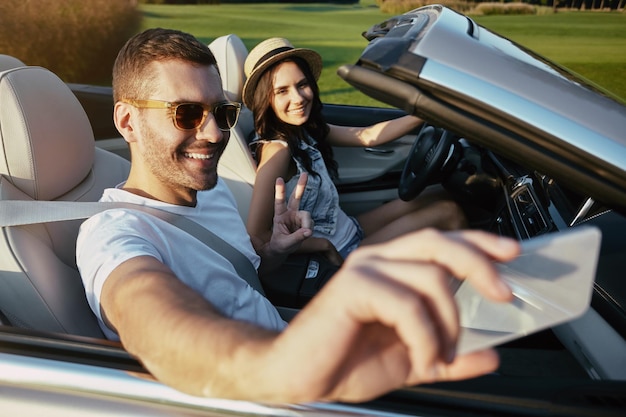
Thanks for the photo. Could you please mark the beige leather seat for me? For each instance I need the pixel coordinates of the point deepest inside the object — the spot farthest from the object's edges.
(9, 62)
(236, 166)
(47, 152)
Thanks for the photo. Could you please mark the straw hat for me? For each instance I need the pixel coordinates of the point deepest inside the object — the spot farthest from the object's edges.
(269, 52)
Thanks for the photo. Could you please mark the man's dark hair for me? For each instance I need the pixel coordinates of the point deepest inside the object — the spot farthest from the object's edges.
(132, 74)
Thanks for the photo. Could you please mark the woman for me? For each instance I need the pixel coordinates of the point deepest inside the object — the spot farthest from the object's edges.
(293, 138)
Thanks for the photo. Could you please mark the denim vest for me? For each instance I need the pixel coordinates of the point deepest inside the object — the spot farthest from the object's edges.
(320, 197)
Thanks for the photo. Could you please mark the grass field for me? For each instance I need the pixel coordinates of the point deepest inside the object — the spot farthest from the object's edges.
(591, 43)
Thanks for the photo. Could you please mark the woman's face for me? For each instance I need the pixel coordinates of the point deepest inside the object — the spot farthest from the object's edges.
(292, 94)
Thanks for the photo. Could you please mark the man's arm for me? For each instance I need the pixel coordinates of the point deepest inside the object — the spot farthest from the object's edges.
(178, 335)
(387, 319)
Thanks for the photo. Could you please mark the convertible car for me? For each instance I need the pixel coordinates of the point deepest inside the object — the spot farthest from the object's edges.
(525, 146)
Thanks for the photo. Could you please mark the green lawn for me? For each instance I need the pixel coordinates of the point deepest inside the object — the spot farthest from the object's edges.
(590, 43)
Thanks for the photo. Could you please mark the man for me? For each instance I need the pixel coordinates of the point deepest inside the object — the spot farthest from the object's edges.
(386, 320)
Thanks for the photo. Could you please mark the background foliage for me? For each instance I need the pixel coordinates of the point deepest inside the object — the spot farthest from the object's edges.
(76, 39)
(590, 43)
(79, 39)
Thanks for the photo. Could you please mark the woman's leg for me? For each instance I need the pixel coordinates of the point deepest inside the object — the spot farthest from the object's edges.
(432, 208)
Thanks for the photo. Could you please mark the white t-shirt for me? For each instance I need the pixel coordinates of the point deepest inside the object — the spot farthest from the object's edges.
(114, 236)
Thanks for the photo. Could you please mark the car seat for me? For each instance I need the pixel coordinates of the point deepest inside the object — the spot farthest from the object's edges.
(9, 62)
(47, 152)
(237, 166)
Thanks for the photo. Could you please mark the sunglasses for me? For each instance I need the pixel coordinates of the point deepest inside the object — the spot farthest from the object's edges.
(188, 116)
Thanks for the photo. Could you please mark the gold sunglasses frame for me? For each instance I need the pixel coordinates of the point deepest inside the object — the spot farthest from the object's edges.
(173, 107)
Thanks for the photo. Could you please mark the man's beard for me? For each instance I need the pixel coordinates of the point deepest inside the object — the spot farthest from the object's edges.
(170, 170)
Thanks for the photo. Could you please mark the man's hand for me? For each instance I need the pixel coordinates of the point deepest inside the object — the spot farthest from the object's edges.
(388, 319)
(291, 225)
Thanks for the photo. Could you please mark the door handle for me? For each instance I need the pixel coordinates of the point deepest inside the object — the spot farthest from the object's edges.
(378, 151)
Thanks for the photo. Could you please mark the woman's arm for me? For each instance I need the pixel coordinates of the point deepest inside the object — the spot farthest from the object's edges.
(274, 163)
(290, 226)
(373, 135)
(318, 244)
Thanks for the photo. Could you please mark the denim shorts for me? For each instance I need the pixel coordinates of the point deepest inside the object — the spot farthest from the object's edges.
(354, 242)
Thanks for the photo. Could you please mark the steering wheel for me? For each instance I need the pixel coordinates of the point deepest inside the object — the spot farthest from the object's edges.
(427, 158)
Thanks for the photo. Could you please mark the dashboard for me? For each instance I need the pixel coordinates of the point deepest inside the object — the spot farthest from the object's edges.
(505, 198)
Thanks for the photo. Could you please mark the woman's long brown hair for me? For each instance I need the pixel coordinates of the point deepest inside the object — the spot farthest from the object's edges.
(269, 127)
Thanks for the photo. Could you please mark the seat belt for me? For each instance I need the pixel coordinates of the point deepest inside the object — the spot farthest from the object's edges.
(24, 212)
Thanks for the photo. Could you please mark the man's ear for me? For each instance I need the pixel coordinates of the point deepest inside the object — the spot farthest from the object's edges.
(124, 117)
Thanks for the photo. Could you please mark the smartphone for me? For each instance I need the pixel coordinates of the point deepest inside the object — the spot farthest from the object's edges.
(552, 283)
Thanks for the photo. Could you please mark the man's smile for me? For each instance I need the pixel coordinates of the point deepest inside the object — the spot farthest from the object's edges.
(194, 155)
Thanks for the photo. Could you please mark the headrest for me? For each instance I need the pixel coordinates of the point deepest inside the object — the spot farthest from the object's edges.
(8, 62)
(230, 53)
(46, 142)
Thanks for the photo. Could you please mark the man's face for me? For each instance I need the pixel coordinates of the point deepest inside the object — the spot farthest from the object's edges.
(180, 162)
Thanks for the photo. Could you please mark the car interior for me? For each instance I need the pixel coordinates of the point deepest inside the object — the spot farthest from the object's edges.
(48, 153)
(69, 152)
(37, 261)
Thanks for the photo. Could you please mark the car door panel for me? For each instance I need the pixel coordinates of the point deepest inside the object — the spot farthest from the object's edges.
(368, 177)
